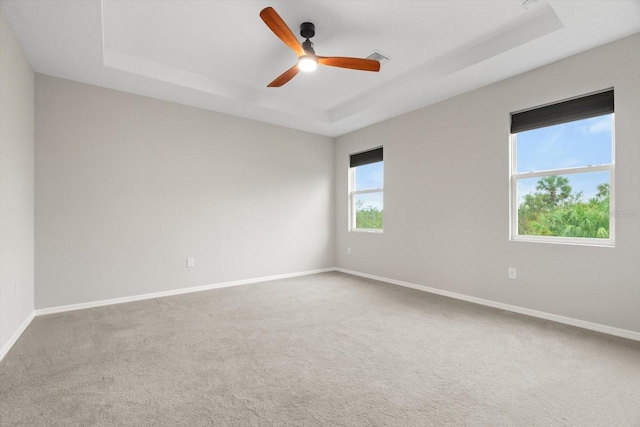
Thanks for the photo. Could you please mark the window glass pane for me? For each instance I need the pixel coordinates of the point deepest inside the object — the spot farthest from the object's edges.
(369, 210)
(369, 176)
(579, 143)
(575, 205)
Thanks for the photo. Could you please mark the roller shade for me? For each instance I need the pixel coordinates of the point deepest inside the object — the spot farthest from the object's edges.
(562, 112)
(365, 158)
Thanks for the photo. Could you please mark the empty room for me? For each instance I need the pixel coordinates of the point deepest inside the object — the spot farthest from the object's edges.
(320, 213)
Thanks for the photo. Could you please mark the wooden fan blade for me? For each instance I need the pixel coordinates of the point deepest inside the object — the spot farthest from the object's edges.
(280, 29)
(352, 63)
(284, 77)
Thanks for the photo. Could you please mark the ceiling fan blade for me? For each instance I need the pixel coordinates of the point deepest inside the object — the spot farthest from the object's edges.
(285, 77)
(280, 29)
(352, 63)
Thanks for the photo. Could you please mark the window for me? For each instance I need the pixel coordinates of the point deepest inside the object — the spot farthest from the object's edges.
(562, 172)
(366, 189)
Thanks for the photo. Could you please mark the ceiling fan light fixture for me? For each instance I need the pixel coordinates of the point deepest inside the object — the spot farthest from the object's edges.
(307, 63)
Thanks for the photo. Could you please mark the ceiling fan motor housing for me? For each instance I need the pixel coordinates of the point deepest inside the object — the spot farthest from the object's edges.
(308, 47)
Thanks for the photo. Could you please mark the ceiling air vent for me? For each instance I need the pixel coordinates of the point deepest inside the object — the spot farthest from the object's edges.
(380, 57)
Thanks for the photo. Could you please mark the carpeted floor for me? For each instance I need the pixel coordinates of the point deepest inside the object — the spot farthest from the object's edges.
(322, 350)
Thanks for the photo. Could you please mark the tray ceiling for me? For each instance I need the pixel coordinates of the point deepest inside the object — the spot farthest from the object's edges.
(220, 56)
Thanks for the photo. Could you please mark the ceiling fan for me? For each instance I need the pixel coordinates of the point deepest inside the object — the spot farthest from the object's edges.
(307, 58)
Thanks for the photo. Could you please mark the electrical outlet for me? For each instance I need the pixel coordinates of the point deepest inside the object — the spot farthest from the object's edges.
(348, 251)
(190, 262)
(512, 273)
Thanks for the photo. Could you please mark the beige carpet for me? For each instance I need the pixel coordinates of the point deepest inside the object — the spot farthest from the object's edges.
(322, 350)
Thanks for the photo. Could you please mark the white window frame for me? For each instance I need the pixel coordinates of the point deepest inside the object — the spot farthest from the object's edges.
(513, 199)
(352, 202)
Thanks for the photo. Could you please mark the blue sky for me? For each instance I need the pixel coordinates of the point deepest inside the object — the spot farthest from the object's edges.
(370, 176)
(579, 143)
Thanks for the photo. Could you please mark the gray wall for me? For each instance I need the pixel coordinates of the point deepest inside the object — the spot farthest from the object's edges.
(128, 187)
(16, 185)
(447, 197)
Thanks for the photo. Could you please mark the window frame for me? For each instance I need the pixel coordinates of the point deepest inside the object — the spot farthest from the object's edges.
(514, 176)
(353, 193)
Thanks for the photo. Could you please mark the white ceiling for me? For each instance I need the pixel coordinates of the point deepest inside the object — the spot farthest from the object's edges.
(220, 56)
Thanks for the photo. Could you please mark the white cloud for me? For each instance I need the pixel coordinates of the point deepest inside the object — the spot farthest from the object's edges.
(571, 163)
(599, 125)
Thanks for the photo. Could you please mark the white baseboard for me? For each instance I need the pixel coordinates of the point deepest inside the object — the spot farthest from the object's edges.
(5, 349)
(624, 333)
(83, 305)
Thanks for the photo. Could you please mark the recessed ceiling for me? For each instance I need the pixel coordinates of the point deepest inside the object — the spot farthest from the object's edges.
(220, 56)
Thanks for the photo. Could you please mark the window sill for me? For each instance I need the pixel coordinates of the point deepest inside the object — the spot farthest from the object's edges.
(600, 243)
(366, 230)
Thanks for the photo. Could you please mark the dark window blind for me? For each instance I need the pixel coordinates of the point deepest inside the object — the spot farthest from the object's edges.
(563, 112)
(366, 157)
